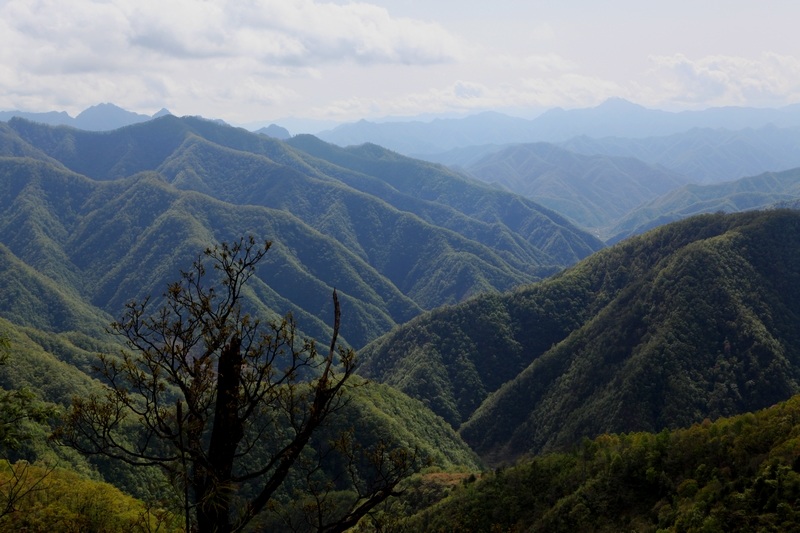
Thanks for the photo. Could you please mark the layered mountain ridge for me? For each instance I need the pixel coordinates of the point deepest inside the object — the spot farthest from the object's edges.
(453, 289)
(595, 191)
(114, 215)
(613, 118)
(695, 319)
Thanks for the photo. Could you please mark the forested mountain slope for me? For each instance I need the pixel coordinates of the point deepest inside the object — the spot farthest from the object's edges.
(55, 367)
(755, 192)
(594, 191)
(705, 155)
(733, 474)
(695, 319)
(110, 216)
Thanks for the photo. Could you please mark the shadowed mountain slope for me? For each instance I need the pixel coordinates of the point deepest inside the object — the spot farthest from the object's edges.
(696, 319)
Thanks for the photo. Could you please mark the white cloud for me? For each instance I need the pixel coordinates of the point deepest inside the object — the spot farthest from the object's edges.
(563, 89)
(184, 48)
(297, 32)
(246, 60)
(570, 89)
(539, 63)
(770, 79)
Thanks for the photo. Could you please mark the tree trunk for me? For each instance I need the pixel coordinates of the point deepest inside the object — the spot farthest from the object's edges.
(213, 509)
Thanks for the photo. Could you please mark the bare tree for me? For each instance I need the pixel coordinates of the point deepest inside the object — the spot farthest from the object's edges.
(223, 403)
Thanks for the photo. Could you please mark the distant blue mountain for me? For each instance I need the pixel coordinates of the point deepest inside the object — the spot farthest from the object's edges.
(275, 131)
(705, 155)
(613, 118)
(764, 191)
(101, 117)
(594, 191)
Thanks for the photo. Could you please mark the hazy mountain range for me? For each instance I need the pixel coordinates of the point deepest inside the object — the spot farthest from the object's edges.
(493, 324)
(614, 118)
(100, 117)
(595, 191)
(617, 196)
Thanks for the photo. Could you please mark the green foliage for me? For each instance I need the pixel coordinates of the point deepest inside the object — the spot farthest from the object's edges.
(30, 298)
(24, 427)
(61, 500)
(736, 474)
(394, 235)
(756, 192)
(696, 319)
(688, 321)
(376, 411)
(18, 408)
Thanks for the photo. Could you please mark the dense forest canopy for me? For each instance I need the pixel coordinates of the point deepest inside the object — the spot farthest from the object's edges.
(108, 216)
(495, 331)
(695, 319)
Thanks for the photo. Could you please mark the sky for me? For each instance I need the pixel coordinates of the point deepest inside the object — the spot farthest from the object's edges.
(262, 61)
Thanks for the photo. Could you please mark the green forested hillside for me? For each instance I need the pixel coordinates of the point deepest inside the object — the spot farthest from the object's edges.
(695, 319)
(756, 192)
(735, 474)
(427, 183)
(453, 357)
(89, 221)
(53, 367)
(12, 145)
(376, 410)
(110, 215)
(593, 190)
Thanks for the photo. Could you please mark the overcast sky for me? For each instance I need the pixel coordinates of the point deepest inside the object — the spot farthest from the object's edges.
(248, 61)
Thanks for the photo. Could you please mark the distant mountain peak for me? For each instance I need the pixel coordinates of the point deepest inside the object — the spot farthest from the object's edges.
(100, 117)
(275, 131)
(616, 103)
(102, 107)
(107, 116)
